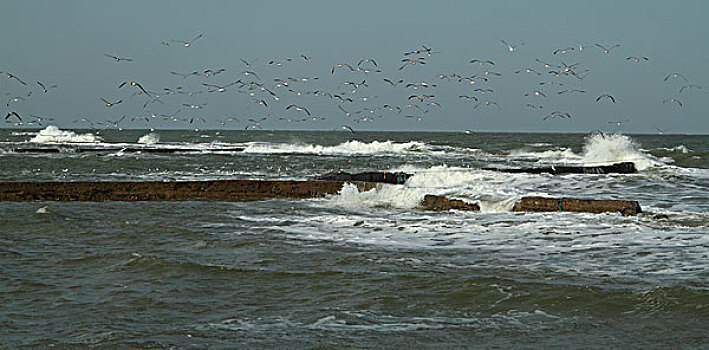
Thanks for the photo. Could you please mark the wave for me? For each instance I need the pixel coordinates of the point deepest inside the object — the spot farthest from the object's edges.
(353, 147)
(52, 134)
(149, 139)
(606, 149)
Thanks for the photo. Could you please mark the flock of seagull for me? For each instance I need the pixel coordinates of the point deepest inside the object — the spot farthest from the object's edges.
(289, 99)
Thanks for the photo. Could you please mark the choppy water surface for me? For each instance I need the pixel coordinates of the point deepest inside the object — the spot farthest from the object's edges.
(358, 269)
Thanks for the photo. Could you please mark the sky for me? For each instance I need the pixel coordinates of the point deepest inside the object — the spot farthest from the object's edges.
(65, 43)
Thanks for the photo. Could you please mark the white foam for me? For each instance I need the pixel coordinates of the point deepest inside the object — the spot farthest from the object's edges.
(491, 190)
(52, 134)
(347, 148)
(149, 139)
(606, 149)
(386, 196)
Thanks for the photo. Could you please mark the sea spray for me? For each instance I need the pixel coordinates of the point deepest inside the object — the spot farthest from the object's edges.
(150, 138)
(607, 149)
(52, 134)
(347, 148)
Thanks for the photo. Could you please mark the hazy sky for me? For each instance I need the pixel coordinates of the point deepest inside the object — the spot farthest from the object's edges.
(64, 42)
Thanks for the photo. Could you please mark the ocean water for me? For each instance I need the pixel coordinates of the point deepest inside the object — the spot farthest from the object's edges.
(357, 269)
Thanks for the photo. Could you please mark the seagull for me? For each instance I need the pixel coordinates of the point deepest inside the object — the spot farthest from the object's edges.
(536, 93)
(637, 59)
(194, 106)
(421, 97)
(247, 63)
(606, 96)
(13, 114)
(115, 123)
(133, 83)
(392, 83)
(260, 102)
(367, 60)
(528, 70)
(298, 108)
(12, 76)
(673, 100)
(347, 127)
(110, 104)
(675, 75)
(511, 48)
(412, 61)
(248, 72)
(469, 97)
(184, 75)
(340, 65)
(195, 119)
(571, 90)
(564, 50)
(46, 89)
(14, 99)
(557, 114)
(607, 50)
(689, 87)
(305, 57)
(118, 59)
(482, 62)
(417, 118)
(534, 107)
(488, 103)
(281, 62)
(661, 131)
(219, 88)
(229, 119)
(152, 100)
(190, 42)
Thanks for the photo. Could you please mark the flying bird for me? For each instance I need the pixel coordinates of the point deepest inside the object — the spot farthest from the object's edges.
(13, 114)
(673, 100)
(482, 62)
(133, 83)
(510, 47)
(367, 60)
(110, 104)
(607, 50)
(689, 87)
(298, 108)
(488, 103)
(674, 76)
(637, 59)
(189, 42)
(118, 59)
(606, 96)
(340, 65)
(347, 127)
(46, 89)
(12, 76)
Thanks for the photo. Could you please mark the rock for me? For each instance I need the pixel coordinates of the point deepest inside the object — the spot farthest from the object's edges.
(376, 176)
(439, 203)
(221, 190)
(617, 168)
(542, 204)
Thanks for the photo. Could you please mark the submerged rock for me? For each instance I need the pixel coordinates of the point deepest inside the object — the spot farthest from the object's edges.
(440, 203)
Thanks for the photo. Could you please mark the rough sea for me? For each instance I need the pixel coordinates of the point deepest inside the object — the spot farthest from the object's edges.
(367, 270)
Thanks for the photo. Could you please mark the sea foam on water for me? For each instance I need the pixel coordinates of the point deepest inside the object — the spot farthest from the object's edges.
(52, 134)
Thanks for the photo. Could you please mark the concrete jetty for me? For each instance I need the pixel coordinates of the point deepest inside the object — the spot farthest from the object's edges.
(252, 190)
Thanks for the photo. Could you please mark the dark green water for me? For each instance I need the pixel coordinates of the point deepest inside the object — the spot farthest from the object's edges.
(360, 270)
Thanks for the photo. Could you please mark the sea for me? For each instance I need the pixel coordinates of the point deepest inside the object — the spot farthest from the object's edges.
(358, 269)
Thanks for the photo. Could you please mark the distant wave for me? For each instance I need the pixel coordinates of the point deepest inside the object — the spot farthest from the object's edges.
(52, 134)
(346, 148)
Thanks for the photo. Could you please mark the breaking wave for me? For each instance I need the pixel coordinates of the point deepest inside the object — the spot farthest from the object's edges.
(347, 148)
(52, 134)
(606, 149)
